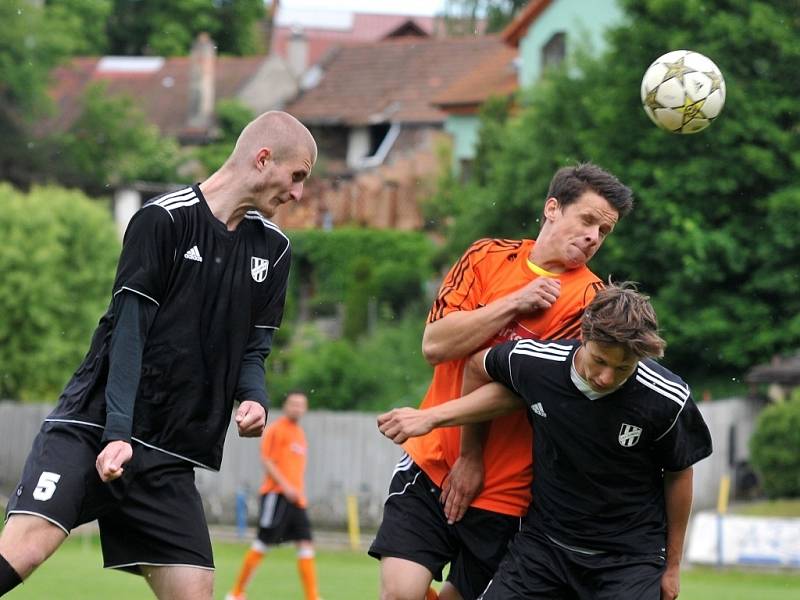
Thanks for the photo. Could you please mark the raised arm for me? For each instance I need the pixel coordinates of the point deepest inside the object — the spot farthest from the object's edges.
(678, 500)
(461, 332)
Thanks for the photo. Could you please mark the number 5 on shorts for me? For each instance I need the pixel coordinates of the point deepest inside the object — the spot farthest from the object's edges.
(46, 486)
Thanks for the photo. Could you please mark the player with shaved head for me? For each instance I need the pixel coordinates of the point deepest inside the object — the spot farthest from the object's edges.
(199, 292)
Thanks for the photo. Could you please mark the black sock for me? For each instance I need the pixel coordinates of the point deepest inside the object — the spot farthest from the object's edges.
(9, 578)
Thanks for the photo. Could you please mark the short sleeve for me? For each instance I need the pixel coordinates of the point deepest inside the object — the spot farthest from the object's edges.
(686, 441)
(148, 254)
(461, 287)
(499, 367)
(271, 313)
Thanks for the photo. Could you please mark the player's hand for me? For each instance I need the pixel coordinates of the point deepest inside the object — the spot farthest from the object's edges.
(462, 486)
(539, 294)
(110, 461)
(290, 494)
(250, 419)
(399, 424)
(671, 583)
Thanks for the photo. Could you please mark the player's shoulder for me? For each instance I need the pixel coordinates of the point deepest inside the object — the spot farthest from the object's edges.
(175, 204)
(667, 388)
(262, 225)
(494, 251)
(552, 352)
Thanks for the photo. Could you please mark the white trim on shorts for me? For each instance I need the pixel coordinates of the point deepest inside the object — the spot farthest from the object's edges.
(149, 564)
(35, 514)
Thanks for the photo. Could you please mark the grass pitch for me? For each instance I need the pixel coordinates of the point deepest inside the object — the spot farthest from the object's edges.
(75, 572)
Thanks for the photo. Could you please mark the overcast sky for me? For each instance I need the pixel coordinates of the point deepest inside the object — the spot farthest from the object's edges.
(406, 7)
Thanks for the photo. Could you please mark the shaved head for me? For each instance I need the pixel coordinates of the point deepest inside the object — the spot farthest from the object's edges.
(285, 136)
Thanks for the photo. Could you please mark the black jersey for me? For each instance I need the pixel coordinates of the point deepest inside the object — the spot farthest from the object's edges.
(212, 288)
(598, 464)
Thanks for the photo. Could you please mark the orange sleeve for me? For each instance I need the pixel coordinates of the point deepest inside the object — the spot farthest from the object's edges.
(460, 286)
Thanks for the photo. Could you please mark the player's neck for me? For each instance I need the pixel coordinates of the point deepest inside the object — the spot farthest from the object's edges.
(223, 197)
(542, 257)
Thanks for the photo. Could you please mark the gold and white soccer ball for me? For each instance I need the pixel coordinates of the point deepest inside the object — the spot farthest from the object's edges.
(683, 91)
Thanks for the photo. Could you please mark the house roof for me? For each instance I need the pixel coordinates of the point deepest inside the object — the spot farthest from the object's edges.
(160, 88)
(394, 80)
(517, 29)
(324, 30)
(495, 75)
(783, 371)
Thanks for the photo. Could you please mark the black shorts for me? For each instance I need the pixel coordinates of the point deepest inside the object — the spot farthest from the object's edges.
(535, 567)
(415, 528)
(281, 521)
(152, 515)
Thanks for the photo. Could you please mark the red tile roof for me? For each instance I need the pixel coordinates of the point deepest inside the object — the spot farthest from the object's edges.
(394, 80)
(162, 94)
(493, 76)
(365, 28)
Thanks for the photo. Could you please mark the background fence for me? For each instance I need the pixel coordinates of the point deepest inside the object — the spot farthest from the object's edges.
(347, 455)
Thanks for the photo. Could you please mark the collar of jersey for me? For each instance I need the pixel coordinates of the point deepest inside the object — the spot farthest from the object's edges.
(539, 270)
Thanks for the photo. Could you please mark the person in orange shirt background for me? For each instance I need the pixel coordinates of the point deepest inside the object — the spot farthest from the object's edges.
(458, 494)
(282, 517)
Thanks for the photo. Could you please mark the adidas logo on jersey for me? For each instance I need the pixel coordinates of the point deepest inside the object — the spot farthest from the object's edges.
(193, 254)
(539, 409)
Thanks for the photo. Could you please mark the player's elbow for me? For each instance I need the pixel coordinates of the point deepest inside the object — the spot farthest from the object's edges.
(432, 351)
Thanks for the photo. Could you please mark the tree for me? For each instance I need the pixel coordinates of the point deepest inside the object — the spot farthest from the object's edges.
(775, 449)
(710, 238)
(32, 42)
(153, 27)
(57, 258)
(84, 22)
(462, 16)
(112, 142)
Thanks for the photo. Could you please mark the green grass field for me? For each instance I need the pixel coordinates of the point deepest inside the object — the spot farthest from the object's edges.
(75, 572)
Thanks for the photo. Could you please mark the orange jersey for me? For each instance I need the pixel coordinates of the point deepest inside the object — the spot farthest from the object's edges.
(284, 443)
(489, 270)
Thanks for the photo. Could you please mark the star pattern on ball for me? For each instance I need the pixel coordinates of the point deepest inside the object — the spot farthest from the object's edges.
(716, 80)
(676, 69)
(691, 109)
(650, 100)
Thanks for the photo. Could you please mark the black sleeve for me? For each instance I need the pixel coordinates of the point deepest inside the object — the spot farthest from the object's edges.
(686, 441)
(499, 367)
(251, 384)
(133, 316)
(148, 254)
(271, 312)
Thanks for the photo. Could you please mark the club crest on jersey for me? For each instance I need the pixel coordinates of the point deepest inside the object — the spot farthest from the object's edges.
(259, 268)
(629, 435)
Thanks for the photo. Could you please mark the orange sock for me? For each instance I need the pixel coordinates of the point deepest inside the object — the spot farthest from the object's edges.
(432, 594)
(308, 576)
(251, 561)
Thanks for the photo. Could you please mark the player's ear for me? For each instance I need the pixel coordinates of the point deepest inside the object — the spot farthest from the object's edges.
(551, 207)
(263, 156)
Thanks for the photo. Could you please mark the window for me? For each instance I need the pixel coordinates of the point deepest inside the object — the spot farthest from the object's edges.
(554, 51)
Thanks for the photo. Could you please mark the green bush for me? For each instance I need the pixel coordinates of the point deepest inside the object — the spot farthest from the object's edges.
(57, 257)
(374, 373)
(775, 449)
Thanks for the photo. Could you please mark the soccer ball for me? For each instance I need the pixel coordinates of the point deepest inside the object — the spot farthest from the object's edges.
(683, 91)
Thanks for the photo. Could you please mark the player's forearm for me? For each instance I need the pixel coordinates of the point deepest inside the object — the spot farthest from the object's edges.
(678, 502)
(487, 402)
(275, 474)
(251, 385)
(133, 316)
(461, 333)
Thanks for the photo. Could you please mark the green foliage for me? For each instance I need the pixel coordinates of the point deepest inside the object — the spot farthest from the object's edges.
(31, 44)
(111, 142)
(84, 22)
(712, 237)
(357, 301)
(328, 259)
(232, 116)
(461, 16)
(154, 27)
(775, 449)
(57, 258)
(372, 373)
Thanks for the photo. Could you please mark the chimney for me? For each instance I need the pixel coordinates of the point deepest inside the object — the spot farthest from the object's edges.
(201, 83)
(297, 52)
